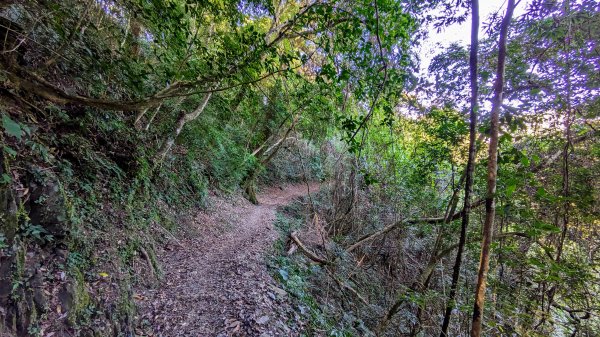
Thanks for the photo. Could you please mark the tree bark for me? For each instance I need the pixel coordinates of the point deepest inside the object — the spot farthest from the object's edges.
(314, 257)
(427, 271)
(139, 116)
(470, 164)
(183, 119)
(250, 181)
(425, 276)
(492, 170)
(151, 119)
(157, 110)
(566, 151)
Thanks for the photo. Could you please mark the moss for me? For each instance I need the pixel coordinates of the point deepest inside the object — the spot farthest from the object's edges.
(81, 298)
(167, 222)
(18, 271)
(129, 251)
(34, 329)
(125, 309)
(8, 219)
(154, 261)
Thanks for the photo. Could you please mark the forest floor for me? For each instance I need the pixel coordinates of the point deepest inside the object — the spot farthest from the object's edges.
(215, 276)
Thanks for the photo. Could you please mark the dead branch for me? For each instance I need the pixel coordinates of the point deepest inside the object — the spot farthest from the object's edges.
(389, 228)
(149, 261)
(346, 286)
(418, 285)
(307, 252)
(169, 234)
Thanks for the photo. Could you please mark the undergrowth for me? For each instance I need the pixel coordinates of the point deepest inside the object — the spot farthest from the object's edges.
(296, 275)
(105, 208)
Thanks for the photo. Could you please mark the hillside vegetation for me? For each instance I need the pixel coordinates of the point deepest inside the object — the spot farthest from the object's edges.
(463, 201)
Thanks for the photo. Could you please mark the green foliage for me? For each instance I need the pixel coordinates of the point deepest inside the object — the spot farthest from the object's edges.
(37, 232)
(444, 131)
(331, 77)
(3, 241)
(11, 127)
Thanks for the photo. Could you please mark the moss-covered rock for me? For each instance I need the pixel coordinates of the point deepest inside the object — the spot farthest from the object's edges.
(46, 204)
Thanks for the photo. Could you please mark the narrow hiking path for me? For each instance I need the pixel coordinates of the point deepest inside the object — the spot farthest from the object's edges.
(216, 282)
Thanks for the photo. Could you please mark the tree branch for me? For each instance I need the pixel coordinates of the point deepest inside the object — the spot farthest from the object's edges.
(389, 228)
(307, 252)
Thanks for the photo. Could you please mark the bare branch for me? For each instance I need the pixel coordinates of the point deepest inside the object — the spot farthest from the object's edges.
(306, 251)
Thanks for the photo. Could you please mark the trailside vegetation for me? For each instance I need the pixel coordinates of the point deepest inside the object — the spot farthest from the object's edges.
(458, 200)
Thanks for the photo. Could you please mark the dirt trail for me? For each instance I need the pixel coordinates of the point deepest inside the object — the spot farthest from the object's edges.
(216, 282)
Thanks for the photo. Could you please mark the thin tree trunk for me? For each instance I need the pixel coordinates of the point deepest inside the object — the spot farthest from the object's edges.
(450, 211)
(426, 274)
(238, 99)
(138, 117)
(470, 164)
(157, 110)
(422, 282)
(183, 119)
(566, 151)
(151, 119)
(250, 181)
(492, 170)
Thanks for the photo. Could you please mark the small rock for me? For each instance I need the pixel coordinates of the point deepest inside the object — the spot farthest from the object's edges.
(279, 291)
(262, 319)
(66, 297)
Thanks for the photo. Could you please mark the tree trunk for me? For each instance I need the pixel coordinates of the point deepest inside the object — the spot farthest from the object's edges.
(249, 184)
(138, 118)
(470, 164)
(492, 170)
(151, 119)
(566, 190)
(136, 30)
(427, 273)
(157, 110)
(183, 119)
(422, 283)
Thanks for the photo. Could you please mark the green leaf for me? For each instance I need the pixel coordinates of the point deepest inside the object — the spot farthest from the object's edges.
(524, 160)
(11, 127)
(536, 262)
(10, 151)
(510, 189)
(26, 129)
(541, 192)
(5, 179)
(546, 227)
